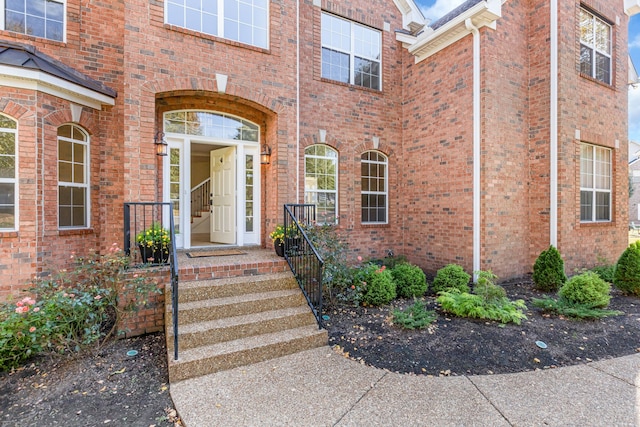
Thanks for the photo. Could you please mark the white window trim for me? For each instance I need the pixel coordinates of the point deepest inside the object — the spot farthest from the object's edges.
(64, 21)
(386, 187)
(318, 191)
(595, 50)
(15, 181)
(87, 175)
(352, 55)
(220, 24)
(595, 190)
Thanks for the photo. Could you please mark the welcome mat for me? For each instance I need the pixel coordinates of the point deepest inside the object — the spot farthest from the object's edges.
(225, 252)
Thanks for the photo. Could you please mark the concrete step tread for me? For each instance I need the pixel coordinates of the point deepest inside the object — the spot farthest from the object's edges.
(244, 344)
(238, 299)
(193, 328)
(196, 284)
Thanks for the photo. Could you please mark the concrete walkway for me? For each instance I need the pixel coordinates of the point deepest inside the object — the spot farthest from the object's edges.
(321, 388)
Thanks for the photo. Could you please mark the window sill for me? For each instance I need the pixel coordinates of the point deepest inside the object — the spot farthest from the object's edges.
(590, 224)
(75, 231)
(212, 38)
(599, 82)
(375, 225)
(350, 86)
(26, 37)
(8, 234)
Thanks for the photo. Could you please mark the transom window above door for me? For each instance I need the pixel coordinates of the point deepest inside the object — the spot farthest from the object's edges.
(244, 21)
(215, 125)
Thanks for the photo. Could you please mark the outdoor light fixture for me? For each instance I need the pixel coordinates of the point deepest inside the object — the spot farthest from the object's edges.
(161, 144)
(265, 155)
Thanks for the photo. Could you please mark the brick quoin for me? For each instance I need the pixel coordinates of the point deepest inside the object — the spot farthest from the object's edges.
(422, 120)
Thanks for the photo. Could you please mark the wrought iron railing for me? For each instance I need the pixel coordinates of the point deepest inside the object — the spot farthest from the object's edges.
(303, 258)
(139, 217)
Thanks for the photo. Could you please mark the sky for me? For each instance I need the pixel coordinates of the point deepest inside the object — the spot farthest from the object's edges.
(434, 9)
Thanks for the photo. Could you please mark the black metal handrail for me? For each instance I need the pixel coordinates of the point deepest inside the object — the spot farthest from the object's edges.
(303, 258)
(144, 215)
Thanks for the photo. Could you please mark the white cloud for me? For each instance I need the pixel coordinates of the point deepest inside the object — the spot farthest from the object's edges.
(635, 43)
(440, 8)
(634, 114)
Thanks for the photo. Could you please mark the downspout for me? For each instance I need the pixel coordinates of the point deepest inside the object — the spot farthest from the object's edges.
(298, 102)
(553, 128)
(476, 147)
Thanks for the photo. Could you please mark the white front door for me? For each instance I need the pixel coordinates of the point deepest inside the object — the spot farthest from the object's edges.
(223, 195)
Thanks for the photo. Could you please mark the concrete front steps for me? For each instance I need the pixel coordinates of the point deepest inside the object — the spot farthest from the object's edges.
(231, 322)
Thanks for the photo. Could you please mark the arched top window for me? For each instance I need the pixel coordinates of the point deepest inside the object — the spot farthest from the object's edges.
(210, 124)
(321, 182)
(73, 177)
(374, 193)
(8, 173)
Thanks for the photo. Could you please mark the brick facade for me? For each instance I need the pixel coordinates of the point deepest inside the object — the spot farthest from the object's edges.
(422, 120)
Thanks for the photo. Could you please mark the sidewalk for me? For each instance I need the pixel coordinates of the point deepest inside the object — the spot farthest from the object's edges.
(321, 388)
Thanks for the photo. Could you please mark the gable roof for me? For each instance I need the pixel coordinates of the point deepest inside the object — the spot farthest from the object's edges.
(23, 66)
(454, 13)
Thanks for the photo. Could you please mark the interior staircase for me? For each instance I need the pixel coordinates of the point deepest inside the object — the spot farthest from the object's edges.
(236, 321)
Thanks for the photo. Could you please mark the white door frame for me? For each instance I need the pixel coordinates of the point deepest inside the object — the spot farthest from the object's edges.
(243, 149)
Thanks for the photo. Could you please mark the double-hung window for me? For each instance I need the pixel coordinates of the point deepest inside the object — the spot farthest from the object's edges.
(38, 18)
(73, 177)
(321, 182)
(374, 197)
(595, 47)
(244, 21)
(351, 53)
(8, 171)
(595, 183)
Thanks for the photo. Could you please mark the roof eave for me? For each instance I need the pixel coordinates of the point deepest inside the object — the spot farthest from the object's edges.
(631, 7)
(23, 78)
(412, 19)
(484, 14)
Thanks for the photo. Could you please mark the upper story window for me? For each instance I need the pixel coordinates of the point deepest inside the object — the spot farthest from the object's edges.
(8, 171)
(351, 53)
(595, 183)
(73, 177)
(595, 47)
(244, 21)
(39, 18)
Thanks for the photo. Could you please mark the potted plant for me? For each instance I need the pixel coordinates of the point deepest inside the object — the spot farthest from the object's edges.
(277, 236)
(154, 244)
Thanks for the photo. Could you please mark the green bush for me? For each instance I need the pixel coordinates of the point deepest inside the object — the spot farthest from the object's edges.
(606, 272)
(410, 280)
(71, 309)
(380, 289)
(627, 272)
(548, 270)
(414, 317)
(463, 304)
(577, 311)
(451, 276)
(487, 289)
(586, 289)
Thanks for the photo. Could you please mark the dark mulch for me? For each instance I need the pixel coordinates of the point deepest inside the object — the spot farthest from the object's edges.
(94, 388)
(457, 346)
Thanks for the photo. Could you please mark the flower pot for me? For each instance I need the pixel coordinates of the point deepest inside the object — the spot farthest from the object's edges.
(279, 247)
(153, 255)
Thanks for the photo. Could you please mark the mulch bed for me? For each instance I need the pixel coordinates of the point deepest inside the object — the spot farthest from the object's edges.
(459, 346)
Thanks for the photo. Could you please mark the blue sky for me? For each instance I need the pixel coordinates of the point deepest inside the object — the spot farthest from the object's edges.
(434, 9)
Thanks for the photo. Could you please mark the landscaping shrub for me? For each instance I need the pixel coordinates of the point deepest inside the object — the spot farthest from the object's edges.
(380, 289)
(627, 272)
(410, 280)
(69, 310)
(488, 302)
(577, 311)
(487, 289)
(548, 270)
(451, 276)
(414, 317)
(587, 289)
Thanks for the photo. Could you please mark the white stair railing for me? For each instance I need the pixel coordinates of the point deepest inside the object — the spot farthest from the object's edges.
(200, 198)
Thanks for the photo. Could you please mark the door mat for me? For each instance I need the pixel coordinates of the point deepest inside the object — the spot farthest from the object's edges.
(201, 254)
